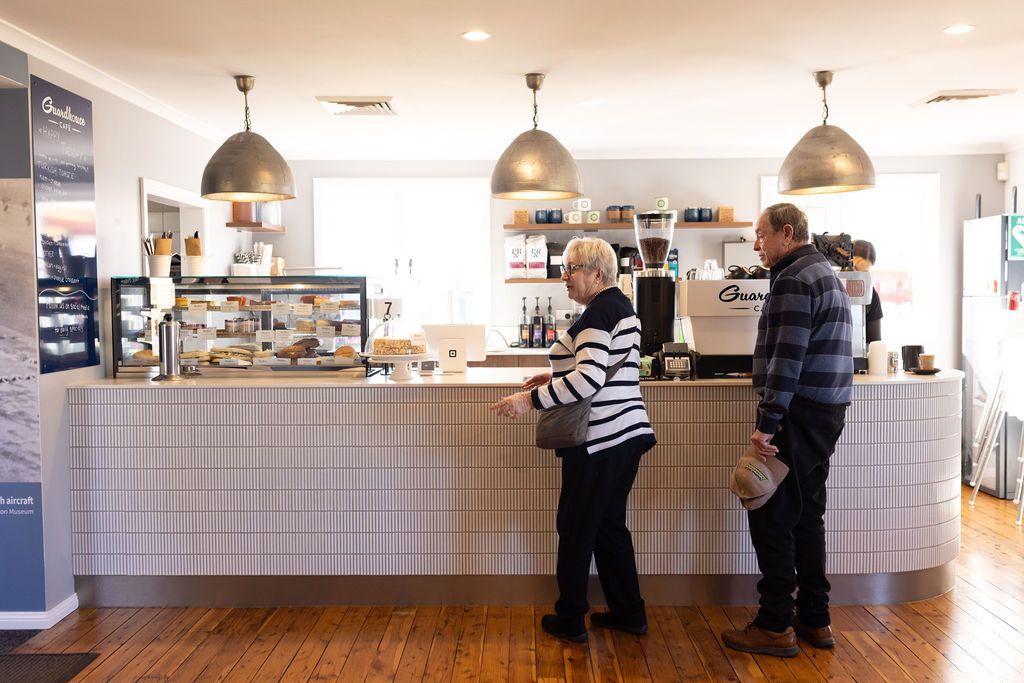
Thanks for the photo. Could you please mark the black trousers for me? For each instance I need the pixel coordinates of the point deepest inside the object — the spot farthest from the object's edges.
(592, 522)
(788, 532)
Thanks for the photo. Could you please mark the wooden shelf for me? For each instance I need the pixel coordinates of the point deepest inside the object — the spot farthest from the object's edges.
(533, 281)
(682, 225)
(584, 227)
(250, 226)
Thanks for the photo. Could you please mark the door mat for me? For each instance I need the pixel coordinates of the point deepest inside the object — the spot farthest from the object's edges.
(10, 640)
(43, 668)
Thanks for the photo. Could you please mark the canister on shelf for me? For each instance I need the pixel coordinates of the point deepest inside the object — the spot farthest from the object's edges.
(705, 214)
(627, 211)
(691, 214)
(614, 213)
(554, 215)
(540, 216)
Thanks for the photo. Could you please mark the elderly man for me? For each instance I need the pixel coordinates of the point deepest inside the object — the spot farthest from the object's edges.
(803, 373)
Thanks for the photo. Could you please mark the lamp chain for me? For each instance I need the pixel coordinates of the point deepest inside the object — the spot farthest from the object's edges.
(824, 106)
(535, 110)
(248, 123)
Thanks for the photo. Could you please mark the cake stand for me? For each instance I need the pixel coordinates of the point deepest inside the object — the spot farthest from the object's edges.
(402, 362)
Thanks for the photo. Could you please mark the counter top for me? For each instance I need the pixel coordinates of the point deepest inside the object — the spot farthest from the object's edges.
(472, 377)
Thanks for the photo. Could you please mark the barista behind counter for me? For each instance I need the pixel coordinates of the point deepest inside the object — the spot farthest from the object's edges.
(863, 259)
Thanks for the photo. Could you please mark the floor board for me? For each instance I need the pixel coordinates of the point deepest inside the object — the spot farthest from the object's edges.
(973, 633)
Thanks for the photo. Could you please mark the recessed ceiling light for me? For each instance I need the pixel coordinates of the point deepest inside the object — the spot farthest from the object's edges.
(957, 29)
(476, 35)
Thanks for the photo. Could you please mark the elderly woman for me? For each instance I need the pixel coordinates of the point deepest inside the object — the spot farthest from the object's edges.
(597, 475)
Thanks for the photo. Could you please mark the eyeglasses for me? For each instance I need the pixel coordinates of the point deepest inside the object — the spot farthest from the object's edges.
(571, 268)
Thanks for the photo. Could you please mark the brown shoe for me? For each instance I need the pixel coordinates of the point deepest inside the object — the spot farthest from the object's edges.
(817, 637)
(757, 640)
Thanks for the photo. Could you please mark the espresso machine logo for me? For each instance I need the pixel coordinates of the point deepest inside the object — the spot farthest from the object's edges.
(731, 294)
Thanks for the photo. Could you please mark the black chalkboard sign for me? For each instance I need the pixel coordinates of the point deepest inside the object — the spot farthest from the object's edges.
(65, 203)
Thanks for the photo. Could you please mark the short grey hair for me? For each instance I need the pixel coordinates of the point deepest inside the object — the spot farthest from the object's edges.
(596, 254)
(781, 214)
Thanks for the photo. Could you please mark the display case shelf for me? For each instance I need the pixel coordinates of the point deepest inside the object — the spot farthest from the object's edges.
(588, 227)
(250, 226)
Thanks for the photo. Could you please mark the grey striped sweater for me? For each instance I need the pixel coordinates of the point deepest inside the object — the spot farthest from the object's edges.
(803, 338)
(607, 330)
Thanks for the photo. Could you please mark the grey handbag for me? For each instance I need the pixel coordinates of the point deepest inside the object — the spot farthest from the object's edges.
(565, 426)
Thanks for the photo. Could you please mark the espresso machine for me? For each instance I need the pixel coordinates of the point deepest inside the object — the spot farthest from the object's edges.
(653, 287)
(858, 288)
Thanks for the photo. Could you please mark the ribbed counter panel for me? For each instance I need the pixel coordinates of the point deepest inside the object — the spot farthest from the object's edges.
(421, 480)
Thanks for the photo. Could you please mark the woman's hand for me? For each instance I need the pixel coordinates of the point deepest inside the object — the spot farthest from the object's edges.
(513, 406)
(537, 381)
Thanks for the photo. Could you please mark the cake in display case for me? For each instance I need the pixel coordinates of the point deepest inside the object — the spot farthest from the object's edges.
(230, 324)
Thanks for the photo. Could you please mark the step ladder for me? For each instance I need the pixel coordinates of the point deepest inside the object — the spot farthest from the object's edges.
(987, 437)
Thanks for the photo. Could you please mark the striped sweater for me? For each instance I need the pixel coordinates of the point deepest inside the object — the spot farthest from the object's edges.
(803, 338)
(580, 358)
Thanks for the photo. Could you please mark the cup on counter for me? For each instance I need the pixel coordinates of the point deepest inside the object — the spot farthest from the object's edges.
(878, 358)
(159, 265)
(926, 361)
(911, 353)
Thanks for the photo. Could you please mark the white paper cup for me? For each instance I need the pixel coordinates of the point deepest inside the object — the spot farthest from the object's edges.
(159, 265)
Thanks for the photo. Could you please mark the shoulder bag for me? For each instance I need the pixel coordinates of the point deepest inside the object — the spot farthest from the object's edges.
(565, 426)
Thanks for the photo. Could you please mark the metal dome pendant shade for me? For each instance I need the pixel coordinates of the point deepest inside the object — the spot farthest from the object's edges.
(826, 159)
(536, 165)
(246, 168)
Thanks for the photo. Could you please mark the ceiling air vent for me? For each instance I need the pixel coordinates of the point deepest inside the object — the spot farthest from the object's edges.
(962, 95)
(344, 105)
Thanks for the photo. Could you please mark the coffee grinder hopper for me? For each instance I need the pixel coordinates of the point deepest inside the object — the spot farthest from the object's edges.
(654, 238)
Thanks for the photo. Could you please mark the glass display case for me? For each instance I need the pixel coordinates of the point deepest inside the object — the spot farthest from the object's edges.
(232, 324)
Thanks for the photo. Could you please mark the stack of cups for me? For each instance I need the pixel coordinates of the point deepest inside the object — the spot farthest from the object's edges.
(878, 358)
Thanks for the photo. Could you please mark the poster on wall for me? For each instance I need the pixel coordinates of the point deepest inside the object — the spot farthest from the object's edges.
(65, 211)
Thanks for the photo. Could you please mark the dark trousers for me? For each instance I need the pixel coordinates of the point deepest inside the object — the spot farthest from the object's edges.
(592, 522)
(788, 532)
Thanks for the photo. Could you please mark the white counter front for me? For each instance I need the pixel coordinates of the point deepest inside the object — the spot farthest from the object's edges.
(343, 476)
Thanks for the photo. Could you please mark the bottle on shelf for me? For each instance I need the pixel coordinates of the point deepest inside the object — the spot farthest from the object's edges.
(537, 337)
(524, 328)
(549, 326)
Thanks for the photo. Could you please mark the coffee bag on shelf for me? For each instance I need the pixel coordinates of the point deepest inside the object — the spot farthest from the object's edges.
(515, 257)
(536, 257)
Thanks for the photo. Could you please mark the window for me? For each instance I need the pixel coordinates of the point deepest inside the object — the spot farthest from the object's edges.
(427, 240)
(900, 216)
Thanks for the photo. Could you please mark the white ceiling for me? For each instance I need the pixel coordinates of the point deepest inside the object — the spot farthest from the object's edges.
(639, 79)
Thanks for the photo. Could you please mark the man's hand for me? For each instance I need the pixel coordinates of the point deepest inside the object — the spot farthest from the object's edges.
(537, 381)
(762, 442)
(513, 406)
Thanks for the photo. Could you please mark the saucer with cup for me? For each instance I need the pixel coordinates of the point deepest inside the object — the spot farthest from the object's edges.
(926, 365)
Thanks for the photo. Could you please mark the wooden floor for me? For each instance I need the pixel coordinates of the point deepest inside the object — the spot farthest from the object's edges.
(976, 632)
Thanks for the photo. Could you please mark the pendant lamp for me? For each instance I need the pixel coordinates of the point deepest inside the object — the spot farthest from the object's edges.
(536, 165)
(826, 159)
(246, 168)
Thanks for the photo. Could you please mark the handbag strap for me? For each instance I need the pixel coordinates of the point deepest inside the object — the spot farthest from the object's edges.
(610, 372)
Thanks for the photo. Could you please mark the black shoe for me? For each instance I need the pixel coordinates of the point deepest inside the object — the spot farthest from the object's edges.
(609, 620)
(558, 627)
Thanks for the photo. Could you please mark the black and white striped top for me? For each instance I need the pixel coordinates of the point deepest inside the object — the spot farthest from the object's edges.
(580, 358)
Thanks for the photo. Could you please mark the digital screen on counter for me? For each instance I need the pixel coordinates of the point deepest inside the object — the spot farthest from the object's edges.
(65, 210)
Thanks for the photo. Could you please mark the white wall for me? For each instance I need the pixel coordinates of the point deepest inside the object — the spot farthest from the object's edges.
(687, 182)
(1015, 161)
(129, 143)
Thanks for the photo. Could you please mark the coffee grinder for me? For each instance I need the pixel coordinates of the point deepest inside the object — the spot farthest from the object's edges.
(654, 289)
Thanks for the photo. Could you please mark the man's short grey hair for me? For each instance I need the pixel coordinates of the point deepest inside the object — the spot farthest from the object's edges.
(596, 254)
(781, 214)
